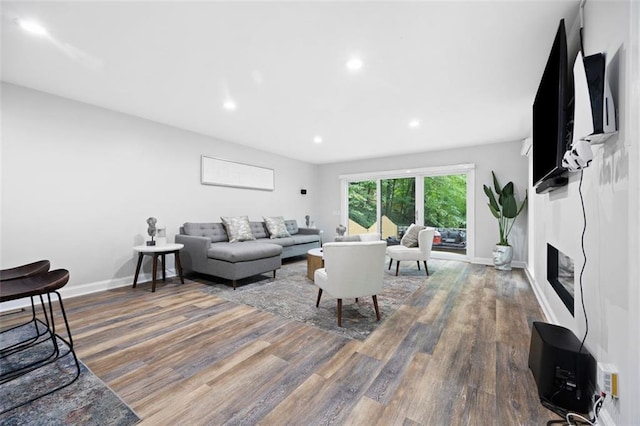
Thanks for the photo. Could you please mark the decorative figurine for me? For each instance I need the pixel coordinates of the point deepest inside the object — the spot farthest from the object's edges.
(151, 230)
(341, 230)
(306, 220)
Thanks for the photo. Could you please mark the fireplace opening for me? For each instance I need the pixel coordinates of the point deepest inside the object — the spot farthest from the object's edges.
(560, 274)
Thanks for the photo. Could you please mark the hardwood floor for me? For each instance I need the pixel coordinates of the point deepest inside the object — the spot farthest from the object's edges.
(454, 353)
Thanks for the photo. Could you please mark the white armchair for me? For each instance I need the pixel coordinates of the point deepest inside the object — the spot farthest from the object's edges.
(420, 253)
(351, 269)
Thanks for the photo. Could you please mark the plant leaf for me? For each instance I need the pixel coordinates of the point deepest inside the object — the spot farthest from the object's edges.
(492, 198)
(494, 211)
(508, 189)
(509, 207)
(496, 185)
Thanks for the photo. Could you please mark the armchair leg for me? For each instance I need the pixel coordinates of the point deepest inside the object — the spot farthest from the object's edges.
(339, 312)
(397, 267)
(375, 305)
(390, 262)
(274, 274)
(425, 267)
(418, 262)
(234, 284)
(319, 296)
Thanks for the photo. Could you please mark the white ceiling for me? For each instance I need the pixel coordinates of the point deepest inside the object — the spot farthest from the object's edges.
(467, 70)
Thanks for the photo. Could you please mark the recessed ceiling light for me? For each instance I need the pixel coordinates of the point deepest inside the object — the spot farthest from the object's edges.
(317, 139)
(33, 27)
(229, 105)
(414, 123)
(354, 64)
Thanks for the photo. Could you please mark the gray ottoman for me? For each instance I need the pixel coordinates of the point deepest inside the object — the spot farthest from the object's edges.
(235, 261)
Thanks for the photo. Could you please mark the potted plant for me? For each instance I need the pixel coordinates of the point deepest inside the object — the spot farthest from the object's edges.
(504, 207)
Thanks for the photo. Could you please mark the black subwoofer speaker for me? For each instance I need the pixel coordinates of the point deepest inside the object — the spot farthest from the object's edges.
(565, 374)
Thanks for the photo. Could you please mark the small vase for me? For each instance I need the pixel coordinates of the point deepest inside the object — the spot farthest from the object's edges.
(502, 256)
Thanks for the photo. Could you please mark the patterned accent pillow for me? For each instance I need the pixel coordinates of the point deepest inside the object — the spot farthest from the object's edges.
(410, 238)
(276, 227)
(238, 228)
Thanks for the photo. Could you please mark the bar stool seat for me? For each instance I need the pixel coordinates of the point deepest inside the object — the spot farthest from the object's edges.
(43, 285)
(24, 271)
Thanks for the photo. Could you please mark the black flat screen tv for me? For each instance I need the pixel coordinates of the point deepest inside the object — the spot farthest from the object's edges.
(553, 117)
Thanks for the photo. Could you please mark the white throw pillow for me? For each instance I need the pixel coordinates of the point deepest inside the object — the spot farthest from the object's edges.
(410, 237)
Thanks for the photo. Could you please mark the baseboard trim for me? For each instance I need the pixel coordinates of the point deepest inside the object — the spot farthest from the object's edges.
(82, 289)
(605, 418)
(542, 300)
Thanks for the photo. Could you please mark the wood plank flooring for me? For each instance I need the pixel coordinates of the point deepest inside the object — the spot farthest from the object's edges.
(455, 353)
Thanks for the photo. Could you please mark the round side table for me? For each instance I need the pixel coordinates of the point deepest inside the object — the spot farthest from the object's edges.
(314, 261)
(156, 251)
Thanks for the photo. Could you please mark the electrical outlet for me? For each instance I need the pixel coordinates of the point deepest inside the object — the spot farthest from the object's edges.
(608, 379)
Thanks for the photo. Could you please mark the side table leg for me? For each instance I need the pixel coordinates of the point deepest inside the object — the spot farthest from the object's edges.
(135, 278)
(178, 265)
(164, 268)
(155, 271)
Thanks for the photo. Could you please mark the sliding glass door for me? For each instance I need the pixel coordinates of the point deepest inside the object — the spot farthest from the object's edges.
(445, 208)
(388, 202)
(397, 206)
(363, 202)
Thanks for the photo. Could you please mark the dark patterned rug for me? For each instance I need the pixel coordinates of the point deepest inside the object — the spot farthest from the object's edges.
(293, 296)
(87, 401)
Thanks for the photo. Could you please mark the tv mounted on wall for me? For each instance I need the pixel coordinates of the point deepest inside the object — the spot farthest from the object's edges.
(553, 117)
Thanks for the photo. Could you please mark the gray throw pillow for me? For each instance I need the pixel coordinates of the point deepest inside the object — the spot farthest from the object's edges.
(276, 227)
(410, 238)
(238, 228)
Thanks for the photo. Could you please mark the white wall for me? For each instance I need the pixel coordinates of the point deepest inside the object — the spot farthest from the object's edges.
(611, 191)
(79, 182)
(503, 158)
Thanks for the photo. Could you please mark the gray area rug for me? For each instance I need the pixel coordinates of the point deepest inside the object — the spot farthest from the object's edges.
(87, 401)
(293, 296)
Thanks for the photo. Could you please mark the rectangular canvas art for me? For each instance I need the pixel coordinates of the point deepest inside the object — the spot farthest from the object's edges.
(216, 171)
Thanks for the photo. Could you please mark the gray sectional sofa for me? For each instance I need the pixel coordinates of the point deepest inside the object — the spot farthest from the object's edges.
(207, 249)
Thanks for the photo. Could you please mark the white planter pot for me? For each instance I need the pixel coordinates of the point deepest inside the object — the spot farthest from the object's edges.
(502, 256)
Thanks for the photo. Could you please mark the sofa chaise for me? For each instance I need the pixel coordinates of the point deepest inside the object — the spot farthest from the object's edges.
(207, 249)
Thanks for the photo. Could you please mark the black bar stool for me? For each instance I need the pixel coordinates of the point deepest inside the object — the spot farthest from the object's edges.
(24, 271)
(43, 285)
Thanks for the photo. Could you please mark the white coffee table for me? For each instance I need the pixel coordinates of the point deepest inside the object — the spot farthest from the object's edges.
(155, 251)
(314, 261)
